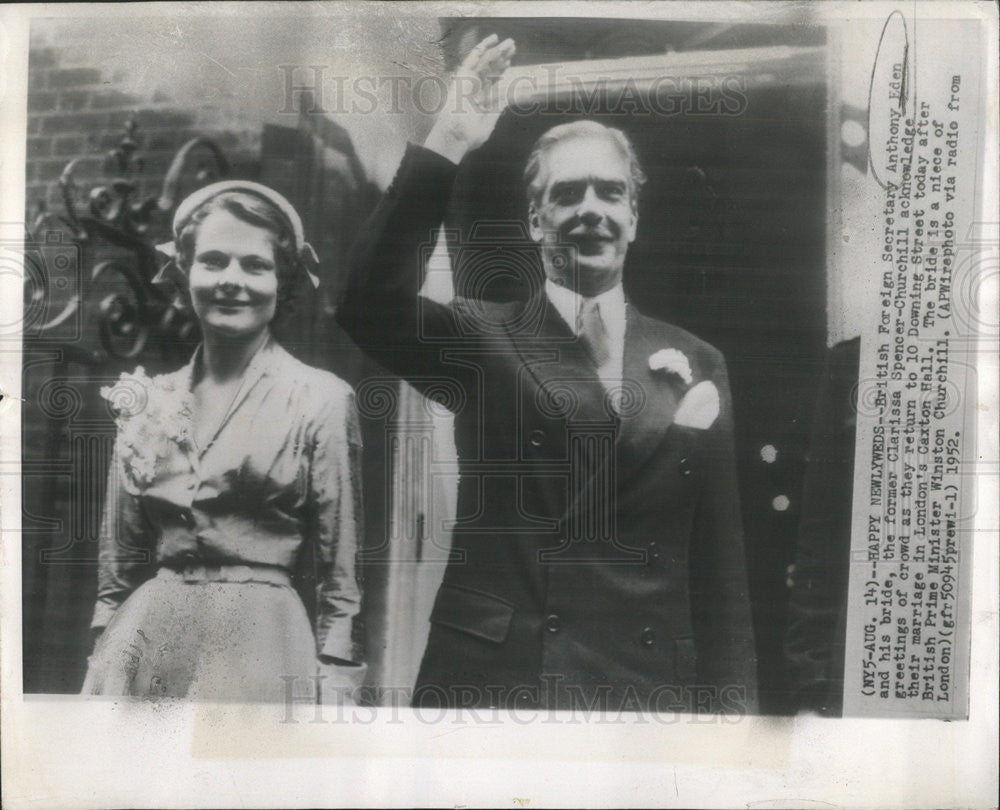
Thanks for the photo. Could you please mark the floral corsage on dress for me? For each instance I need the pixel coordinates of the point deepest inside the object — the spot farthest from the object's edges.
(153, 416)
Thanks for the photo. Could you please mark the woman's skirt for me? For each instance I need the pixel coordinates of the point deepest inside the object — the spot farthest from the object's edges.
(208, 634)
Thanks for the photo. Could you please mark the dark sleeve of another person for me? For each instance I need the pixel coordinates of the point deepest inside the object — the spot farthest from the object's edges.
(814, 642)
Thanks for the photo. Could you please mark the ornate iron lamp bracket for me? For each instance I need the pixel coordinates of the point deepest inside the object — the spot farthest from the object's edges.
(130, 308)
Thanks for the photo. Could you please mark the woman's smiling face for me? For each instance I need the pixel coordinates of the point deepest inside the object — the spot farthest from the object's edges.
(233, 277)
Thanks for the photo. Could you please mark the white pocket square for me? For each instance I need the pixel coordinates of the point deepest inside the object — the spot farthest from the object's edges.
(700, 407)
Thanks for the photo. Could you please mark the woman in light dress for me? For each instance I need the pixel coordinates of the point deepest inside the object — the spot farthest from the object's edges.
(230, 474)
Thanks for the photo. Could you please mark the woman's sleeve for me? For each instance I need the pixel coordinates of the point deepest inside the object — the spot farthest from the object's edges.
(127, 545)
(336, 495)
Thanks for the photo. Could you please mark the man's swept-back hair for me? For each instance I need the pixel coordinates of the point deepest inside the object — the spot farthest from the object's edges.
(535, 183)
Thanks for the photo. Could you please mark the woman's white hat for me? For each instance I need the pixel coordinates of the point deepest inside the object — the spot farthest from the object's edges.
(195, 200)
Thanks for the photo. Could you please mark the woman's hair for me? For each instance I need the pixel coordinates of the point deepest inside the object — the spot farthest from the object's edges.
(533, 180)
(257, 211)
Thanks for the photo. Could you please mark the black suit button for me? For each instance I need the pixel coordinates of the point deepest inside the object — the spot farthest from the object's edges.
(653, 552)
(647, 636)
(552, 623)
(537, 438)
(684, 466)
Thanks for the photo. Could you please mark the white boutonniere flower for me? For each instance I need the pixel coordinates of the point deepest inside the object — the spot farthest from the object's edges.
(671, 361)
(152, 416)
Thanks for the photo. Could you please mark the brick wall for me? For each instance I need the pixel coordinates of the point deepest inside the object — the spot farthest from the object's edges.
(79, 101)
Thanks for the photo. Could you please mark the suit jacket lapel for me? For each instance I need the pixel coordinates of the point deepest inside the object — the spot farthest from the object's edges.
(560, 365)
(644, 426)
(569, 390)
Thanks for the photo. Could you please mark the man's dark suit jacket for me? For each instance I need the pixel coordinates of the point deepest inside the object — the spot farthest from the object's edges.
(598, 554)
(817, 607)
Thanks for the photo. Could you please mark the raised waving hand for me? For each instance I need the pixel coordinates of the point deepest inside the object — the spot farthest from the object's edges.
(474, 101)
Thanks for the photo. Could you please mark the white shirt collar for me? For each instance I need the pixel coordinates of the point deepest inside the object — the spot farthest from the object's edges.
(610, 302)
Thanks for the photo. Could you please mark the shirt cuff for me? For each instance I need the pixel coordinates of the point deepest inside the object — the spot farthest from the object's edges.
(428, 167)
(337, 647)
(103, 613)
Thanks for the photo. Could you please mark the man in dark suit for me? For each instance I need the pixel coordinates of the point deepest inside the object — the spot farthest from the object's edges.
(597, 553)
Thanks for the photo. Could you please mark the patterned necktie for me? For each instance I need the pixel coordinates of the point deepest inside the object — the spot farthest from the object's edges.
(590, 327)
